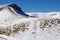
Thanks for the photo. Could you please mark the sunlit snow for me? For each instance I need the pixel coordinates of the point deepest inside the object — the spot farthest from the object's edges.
(16, 27)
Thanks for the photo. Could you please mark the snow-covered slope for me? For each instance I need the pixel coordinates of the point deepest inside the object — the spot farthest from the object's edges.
(43, 26)
(9, 15)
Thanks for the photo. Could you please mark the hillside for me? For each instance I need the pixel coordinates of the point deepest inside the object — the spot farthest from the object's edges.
(14, 26)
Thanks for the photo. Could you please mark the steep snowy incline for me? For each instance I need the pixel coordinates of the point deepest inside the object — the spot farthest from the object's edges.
(8, 15)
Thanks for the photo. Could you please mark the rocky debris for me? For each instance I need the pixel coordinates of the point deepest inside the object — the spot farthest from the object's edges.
(46, 23)
(15, 28)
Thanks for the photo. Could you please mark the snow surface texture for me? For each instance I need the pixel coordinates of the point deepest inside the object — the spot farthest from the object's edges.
(17, 27)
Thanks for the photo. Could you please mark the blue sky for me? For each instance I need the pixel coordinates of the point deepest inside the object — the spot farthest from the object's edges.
(35, 5)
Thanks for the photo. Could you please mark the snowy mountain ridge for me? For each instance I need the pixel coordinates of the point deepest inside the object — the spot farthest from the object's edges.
(45, 14)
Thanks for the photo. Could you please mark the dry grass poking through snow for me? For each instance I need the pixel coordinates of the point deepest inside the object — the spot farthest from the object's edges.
(15, 28)
(46, 23)
(23, 26)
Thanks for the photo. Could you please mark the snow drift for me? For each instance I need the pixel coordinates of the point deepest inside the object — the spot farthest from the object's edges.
(16, 25)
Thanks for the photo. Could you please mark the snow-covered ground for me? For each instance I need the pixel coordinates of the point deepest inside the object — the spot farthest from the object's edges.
(35, 28)
(44, 26)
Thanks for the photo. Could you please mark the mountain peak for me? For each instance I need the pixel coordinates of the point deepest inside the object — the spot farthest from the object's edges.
(16, 8)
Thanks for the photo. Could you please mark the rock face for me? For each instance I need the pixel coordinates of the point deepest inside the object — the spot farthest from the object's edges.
(18, 9)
